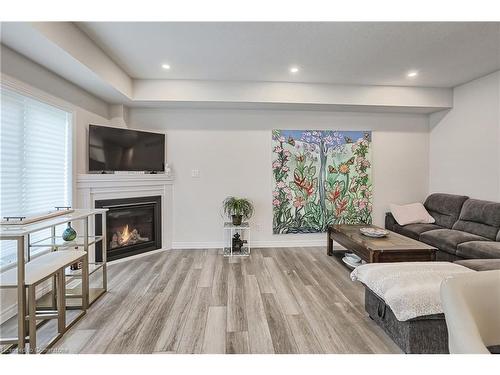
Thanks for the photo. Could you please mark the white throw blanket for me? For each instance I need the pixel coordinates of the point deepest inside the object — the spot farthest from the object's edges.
(410, 289)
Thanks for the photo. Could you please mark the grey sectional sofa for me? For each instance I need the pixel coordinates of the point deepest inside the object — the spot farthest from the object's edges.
(464, 229)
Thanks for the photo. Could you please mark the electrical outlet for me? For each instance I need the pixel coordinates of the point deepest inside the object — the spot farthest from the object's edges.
(195, 173)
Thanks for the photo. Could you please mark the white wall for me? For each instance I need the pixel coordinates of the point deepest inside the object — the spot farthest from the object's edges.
(465, 141)
(232, 150)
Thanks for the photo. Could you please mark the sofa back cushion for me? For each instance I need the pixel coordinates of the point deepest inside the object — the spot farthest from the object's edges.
(445, 208)
(479, 217)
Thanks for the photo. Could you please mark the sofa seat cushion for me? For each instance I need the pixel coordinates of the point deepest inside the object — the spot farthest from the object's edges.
(415, 230)
(479, 250)
(448, 239)
(480, 264)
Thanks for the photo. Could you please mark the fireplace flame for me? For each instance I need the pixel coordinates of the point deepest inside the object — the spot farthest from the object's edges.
(125, 235)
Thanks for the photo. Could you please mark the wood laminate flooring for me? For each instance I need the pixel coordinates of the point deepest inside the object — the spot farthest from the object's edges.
(278, 300)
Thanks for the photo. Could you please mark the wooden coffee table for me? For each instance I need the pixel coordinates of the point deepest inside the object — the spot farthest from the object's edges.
(393, 248)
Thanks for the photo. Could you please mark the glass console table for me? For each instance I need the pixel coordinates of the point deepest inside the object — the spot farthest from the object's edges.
(70, 287)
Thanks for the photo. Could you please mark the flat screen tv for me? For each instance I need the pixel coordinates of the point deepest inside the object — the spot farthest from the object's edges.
(114, 149)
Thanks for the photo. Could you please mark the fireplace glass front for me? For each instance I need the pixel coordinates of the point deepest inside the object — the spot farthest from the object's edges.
(133, 226)
(130, 226)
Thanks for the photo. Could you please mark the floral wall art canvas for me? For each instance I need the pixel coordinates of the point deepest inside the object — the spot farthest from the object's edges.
(320, 177)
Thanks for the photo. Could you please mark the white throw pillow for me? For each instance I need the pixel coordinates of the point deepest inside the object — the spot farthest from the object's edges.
(414, 213)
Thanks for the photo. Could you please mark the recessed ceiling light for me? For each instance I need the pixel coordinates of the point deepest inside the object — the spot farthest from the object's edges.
(165, 66)
(412, 74)
(294, 69)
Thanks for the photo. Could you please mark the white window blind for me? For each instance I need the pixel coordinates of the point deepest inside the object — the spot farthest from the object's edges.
(35, 164)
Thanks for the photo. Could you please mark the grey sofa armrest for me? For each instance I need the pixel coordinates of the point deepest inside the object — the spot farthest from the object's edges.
(390, 222)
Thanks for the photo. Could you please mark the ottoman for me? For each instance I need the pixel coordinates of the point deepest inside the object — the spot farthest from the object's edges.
(404, 300)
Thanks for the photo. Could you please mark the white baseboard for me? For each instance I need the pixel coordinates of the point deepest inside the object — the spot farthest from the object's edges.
(254, 244)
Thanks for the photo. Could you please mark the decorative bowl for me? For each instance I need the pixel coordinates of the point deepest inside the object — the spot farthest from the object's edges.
(351, 263)
(374, 232)
(352, 257)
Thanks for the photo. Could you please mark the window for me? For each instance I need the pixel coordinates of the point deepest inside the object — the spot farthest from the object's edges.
(35, 161)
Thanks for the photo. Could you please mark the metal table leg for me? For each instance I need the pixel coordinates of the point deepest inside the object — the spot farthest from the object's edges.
(21, 298)
(32, 317)
(104, 245)
(85, 282)
(61, 301)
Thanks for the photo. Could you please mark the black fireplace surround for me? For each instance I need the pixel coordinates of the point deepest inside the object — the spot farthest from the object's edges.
(133, 226)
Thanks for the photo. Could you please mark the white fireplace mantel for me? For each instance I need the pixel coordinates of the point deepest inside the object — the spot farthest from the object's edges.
(93, 187)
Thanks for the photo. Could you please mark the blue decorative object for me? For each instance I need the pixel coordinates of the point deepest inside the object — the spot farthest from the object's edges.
(69, 233)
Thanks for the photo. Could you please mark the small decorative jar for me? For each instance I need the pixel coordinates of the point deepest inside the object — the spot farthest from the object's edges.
(69, 233)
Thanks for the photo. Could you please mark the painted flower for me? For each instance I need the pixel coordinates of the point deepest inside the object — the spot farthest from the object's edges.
(299, 202)
(285, 169)
(281, 185)
(276, 164)
(287, 190)
(276, 202)
(344, 168)
(300, 158)
(275, 193)
(289, 197)
(334, 194)
(303, 184)
(288, 154)
(362, 204)
(341, 205)
(363, 187)
(365, 163)
(282, 139)
(278, 149)
(355, 203)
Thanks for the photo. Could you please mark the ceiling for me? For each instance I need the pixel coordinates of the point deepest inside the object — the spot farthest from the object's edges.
(444, 54)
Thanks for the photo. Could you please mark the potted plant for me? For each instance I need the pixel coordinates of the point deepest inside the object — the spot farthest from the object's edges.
(237, 209)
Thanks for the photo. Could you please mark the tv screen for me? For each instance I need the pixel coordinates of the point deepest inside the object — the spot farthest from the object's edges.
(114, 149)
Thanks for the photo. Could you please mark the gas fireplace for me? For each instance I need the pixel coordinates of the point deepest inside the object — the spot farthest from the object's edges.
(133, 226)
